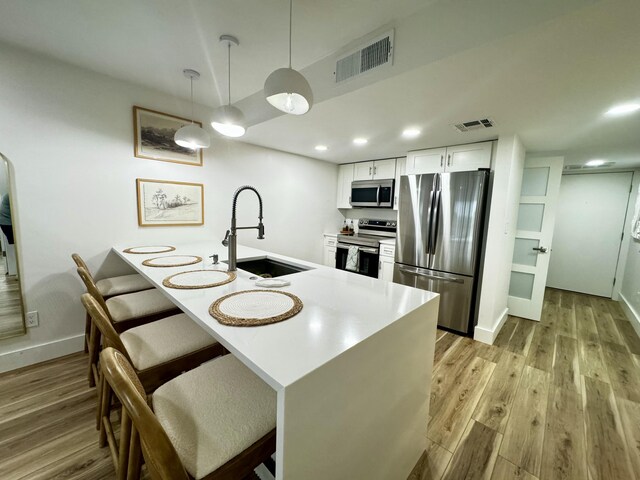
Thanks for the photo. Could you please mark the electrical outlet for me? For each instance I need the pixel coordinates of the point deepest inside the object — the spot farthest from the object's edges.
(32, 319)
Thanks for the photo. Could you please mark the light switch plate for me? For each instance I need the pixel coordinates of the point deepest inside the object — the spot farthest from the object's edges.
(32, 319)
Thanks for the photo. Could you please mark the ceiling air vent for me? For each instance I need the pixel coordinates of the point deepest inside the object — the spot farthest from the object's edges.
(373, 54)
(589, 167)
(474, 125)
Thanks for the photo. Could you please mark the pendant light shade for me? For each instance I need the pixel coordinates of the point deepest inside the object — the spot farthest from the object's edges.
(286, 88)
(228, 120)
(288, 91)
(192, 136)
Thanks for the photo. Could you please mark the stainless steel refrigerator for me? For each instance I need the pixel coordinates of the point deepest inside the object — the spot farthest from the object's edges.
(440, 232)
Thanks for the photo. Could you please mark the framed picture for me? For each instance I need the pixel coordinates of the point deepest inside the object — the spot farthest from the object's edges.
(162, 203)
(153, 137)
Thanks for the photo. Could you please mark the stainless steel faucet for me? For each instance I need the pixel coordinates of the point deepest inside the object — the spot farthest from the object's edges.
(230, 237)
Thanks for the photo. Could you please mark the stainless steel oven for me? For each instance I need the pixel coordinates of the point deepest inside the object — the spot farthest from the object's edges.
(372, 193)
(368, 258)
(367, 244)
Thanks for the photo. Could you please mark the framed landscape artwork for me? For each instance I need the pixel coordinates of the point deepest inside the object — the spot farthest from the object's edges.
(153, 137)
(162, 203)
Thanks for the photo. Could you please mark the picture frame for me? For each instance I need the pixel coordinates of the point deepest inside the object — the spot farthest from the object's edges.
(166, 203)
(153, 134)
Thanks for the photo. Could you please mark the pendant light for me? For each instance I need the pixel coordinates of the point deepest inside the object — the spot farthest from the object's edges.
(192, 136)
(227, 119)
(286, 88)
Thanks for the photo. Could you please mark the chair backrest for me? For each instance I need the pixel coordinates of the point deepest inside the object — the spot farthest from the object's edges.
(99, 317)
(161, 458)
(80, 262)
(87, 279)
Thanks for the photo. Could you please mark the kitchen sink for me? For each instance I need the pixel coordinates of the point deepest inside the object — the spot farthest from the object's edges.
(268, 267)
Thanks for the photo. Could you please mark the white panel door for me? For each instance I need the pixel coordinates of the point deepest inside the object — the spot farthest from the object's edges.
(589, 227)
(536, 219)
(363, 171)
(425, 161)
(464, 158)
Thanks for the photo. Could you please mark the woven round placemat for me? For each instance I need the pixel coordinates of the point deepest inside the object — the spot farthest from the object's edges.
(227, 277)
(289, 306)
(149, 262)
(166, 248)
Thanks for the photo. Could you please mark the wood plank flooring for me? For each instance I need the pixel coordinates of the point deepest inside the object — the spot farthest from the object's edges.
(535, 406)
(11, 318)
(560, 400)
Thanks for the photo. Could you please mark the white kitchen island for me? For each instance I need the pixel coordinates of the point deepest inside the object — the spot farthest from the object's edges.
(352, 370)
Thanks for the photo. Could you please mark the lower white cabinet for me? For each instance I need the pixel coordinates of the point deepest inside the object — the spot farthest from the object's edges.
(387, 257)
(329, 253)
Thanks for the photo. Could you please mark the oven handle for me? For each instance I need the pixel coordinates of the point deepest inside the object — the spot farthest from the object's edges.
(433, 277)
(360, 249)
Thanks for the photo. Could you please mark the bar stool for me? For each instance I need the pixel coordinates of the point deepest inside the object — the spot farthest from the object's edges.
(158, 351)
(109, 287)
(214, 422)
(124, 312)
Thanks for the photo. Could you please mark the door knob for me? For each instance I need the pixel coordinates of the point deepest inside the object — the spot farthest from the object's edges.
(540, 249)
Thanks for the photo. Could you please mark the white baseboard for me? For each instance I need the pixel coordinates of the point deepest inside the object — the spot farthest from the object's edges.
(631, 313)
(486, 335)
(41, 353)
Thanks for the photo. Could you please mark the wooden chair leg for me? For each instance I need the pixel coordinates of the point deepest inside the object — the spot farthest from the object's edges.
(123, 448)
(87, 332)
(135, 458)
(93, 355)
(104, 412)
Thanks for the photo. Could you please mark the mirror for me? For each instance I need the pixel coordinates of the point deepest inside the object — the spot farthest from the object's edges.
(12, 321)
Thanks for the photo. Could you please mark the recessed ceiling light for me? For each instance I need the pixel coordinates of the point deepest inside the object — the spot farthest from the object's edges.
(595, 163)
(622, 109)
(360, 141)
(411, 132)
(322, 148)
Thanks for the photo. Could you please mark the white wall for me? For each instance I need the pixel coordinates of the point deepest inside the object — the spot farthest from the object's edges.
(630, 289)
(505, 196)
(68, 133)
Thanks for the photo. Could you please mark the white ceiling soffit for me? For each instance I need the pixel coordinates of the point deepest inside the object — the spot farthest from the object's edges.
(550, 84)
(150, 42)
(440, 30)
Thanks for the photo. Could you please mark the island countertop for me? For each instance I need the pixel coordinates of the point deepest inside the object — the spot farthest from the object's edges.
(341, 309)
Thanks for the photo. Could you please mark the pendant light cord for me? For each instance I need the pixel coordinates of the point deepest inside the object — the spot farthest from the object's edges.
(290, 15)
(191, 78)
(229, 71)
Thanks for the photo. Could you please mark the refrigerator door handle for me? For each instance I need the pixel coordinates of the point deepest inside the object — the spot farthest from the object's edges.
(429, 223)
(433, 277)
(433, 234)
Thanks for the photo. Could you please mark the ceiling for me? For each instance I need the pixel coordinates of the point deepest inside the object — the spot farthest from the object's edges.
(546, 71)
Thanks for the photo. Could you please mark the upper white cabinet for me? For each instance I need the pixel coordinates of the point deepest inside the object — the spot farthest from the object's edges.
(376, 170)
(345, 177)
(460, 158)
(425, 161)
(400, 170)
(463, 158)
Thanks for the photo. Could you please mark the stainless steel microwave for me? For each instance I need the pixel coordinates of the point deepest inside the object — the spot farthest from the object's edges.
(372, 193)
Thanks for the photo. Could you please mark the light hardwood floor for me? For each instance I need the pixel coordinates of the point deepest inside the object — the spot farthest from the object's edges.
(11, 318)
(558, 399)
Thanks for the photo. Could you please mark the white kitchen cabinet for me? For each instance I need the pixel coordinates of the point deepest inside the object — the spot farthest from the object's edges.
(345, 177)
(425, 161)
(400, 170)
(459, 158)
(463, 158)
(387, 257)
(329, 253)
(376, 170)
